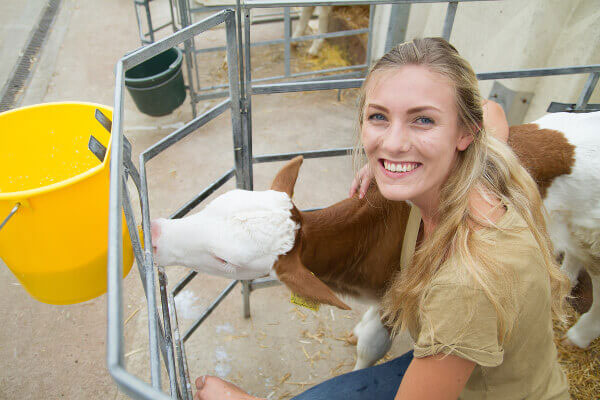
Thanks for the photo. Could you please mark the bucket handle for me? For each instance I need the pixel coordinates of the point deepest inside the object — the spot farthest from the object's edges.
(12, 212)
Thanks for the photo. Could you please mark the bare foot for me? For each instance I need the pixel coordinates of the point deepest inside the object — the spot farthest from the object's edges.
(214, 388)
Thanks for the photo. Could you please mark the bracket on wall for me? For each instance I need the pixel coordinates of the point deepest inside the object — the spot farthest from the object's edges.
(514, 103)
(571, 107)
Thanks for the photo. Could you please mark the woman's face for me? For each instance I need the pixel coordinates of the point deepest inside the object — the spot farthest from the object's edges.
(411, 133)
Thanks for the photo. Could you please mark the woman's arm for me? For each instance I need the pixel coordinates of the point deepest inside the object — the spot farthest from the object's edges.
(439, 377)
(494, 120)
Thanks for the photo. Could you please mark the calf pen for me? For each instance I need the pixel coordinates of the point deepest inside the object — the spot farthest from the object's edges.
(165, 339)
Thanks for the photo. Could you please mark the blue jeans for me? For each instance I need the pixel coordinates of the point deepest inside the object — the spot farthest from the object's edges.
(380, 382)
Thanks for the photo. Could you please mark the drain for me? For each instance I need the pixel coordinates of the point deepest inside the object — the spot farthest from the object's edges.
(20, 76)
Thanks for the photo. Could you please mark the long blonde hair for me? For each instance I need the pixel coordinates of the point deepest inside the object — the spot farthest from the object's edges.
(486, 165)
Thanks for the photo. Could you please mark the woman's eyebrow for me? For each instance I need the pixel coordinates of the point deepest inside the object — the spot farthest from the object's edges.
(377, 106)
(422, 108)
(409, 111)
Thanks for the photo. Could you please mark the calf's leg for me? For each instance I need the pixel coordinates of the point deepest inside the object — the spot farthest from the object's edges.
(373, 339)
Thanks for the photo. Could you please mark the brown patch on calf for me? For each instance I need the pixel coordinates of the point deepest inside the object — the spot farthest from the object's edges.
(582, 294)
(545, 153)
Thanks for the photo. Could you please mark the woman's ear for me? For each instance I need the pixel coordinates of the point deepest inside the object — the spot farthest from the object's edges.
(464, 140)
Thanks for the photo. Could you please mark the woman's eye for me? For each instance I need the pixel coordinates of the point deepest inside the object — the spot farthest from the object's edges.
(377, 117)
(424, 120)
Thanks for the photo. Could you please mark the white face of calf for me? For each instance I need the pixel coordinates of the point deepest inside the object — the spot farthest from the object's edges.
(238, 235)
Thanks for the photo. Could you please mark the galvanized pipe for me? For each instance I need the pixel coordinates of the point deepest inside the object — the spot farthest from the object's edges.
(209, 310)
(590, 84)
(449, 20)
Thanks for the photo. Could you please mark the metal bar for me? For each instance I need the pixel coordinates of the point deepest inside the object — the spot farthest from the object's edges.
(141, 34)
(216, 95)
(162, 26)
(135, 240)
(528, 73)
(289, 87)
(128, 383)
(133, 386)
(296, 75)
(309, 3)
(246, 112)
(187, 207)
(370, 37)
(261, 283)
(170, 359)
(145, 53)
(114, 334)
(150, 280)
(246, 298)
(588, 89)
(131, 226)
(149, 19)
(307, 154)
(449, 20)
(10, 214)
(182, 283)
(351, 32)
(209, 310)
(184, 376)
(190, 55)
(287, 27)
(211, 49)
(185, 130)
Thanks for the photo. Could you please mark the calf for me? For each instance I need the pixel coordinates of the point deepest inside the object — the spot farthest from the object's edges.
(353, 247)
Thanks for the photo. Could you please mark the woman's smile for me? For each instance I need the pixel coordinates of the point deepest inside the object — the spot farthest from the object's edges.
(398, 169)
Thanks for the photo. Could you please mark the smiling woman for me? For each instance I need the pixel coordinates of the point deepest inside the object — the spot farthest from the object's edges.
(480, 291)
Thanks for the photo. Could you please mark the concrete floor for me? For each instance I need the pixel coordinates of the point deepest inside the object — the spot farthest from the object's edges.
(59, 351)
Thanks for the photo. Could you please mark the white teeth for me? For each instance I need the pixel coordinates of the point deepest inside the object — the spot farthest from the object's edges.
(393, 167)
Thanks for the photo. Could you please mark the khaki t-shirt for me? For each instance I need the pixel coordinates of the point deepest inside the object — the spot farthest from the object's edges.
(457, 318)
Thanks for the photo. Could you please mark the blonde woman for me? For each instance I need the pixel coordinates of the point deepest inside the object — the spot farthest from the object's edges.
(482, 287)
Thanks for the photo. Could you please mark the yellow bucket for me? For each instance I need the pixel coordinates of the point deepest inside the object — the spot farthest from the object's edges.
(56, 242)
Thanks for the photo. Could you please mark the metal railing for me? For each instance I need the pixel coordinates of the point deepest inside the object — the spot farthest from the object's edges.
(165, 338)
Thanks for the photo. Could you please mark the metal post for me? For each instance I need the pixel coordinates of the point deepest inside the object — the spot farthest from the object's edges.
(396, 32)
(590, 84)
(247, 108)
(247, 133)
(190, 55)
(370, 37)
(449, 21)
(150, 283)
(286, 34)
(149, 20)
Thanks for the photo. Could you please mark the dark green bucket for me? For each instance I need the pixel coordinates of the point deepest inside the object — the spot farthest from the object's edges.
(156, 85)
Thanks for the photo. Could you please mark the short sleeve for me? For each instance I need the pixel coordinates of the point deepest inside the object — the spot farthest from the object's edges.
(459, 320)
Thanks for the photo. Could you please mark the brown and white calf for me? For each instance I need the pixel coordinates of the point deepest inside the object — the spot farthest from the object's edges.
(353, 247)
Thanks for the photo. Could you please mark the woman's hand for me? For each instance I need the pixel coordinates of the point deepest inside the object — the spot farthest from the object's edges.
(213, 388)
(361, 182)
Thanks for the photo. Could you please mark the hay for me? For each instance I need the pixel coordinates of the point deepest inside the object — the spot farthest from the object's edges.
(582, 366)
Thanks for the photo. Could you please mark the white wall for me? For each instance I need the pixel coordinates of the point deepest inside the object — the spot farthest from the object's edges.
(517, 34)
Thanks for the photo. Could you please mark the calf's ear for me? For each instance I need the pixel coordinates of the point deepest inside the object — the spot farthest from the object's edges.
(285, 180)
(300, 280)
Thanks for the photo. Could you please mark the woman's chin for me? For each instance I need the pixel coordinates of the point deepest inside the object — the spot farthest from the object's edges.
(393, 192)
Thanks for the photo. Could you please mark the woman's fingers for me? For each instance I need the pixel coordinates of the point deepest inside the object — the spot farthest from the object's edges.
(354, 186)
(361, 182)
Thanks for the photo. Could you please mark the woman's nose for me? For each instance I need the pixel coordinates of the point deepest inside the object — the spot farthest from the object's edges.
(397, 140)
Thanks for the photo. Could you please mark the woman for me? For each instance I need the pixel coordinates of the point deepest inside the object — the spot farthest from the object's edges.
(482, 288)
